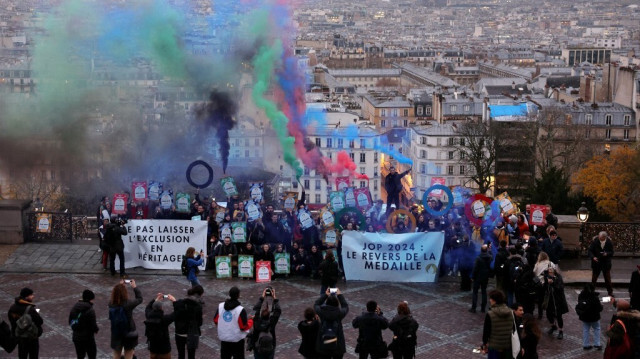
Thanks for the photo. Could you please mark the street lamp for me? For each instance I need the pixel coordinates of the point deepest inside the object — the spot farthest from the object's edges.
(583, 216)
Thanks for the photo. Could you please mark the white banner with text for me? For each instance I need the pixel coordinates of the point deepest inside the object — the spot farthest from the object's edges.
(409, 257)
(161, 244)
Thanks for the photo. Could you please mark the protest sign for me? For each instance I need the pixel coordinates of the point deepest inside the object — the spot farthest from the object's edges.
(263, 271)
(363, 198)
(43, 223)
(239, 232)
(139, 190)
(166, 199)
(283, 263)
(336, 200)
(410, 257)
(155, 189)
(183, 204)
(256, 191)
(342, 183)
(161, 244)
(538, 214)
(223, 267)
(119, 203)
(245, 266)
(349, 197)
(229, 186)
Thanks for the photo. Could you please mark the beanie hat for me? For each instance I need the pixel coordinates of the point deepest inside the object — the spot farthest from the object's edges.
(234, 293)
(25, 292)
(87, 295)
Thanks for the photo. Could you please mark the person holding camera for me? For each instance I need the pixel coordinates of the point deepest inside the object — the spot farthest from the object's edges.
(370, 325)
(157, 327)
(113, 238)
(194, 260)
(331, 308)
(233, 327)
(124, 335)
(267, 313)
(188, 320)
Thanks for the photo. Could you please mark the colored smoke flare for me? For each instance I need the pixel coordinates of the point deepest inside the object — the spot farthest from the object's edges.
(219, 113)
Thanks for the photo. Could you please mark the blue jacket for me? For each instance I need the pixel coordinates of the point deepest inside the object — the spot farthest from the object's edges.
(192, 264)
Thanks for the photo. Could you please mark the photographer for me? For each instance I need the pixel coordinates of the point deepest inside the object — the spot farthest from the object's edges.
(331, 308)
(113, 238)
(370, 325)
(157, 327)
(267, 313)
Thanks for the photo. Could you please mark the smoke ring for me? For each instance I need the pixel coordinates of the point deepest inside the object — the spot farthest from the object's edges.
(425, 198)
(207, 167)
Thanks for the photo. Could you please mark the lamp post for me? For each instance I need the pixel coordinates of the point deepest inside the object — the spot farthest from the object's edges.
(583, 216)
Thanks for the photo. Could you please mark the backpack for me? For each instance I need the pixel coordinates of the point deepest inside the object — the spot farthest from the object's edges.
(184, 267)
(329, 336)
(515, 270)
(264, 344)
(25, 327)
(119, 322)
(582, 307)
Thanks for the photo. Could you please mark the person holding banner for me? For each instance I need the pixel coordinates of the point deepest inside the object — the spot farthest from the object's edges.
(233, 327)
(113, 238)
(194, 260)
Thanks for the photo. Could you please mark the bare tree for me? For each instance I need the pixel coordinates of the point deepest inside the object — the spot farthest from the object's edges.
(477, 150)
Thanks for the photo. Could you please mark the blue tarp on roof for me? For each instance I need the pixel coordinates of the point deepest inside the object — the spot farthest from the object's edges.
(508, 110)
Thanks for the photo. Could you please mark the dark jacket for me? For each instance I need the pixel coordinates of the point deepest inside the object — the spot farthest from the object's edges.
(392, 182)
(17, 310)
(188, 315)
(370, 326)
(404, 326)
(113, 237)
(499, 264)
(225, 250)
(557, 298)
(87, 326)
(309, 333)
(331, 313)
(273, 232)
(604, 255)
(588, 307)
(530, 345)
(329, 272)
(481, 267)
(157, 329)
(553, 249)
(258, 321)
(129, 306)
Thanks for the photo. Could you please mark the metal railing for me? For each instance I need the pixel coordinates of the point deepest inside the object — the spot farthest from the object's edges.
(625, 236)
(59, 227)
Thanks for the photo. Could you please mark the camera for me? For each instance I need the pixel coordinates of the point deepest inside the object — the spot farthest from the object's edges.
(268, 292)
(127, 281)
(333, 290)
(165, 296)
(121, 221)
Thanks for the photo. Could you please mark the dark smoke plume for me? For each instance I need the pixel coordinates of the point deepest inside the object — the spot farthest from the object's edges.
(218, 113)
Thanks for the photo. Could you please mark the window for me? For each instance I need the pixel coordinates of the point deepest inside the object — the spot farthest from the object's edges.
(626, 134)
(427, 110)
(306, 184)
(423, 154)
(318, 185)
(363, 157)
(423, 168)
(451, 153)
(383, 112)
(362, 143)
(352, 144)
(340, 143)
(423, 140)
(607, 133)
(450, 141)
(375, 185)
(329, 142)
(352, 156)
(363, 170)
(395, 112)
(450, 170)
(466, 108)
(438, 168)
(317, 198)
(607, 120)
(588, 119)
(462, 142)
(375, 157)
(246, 142)
(405, 113)
(246, 153)
(306, 171)
(587, 133)
(375, 171)
(237, 142)
(405, 123)
(462, 170)
(294, 182)
(627, 120)
(438, 141)
(462, 155)
(420, 110)
(318, 142)
(257, 142)
(453, 108)
(383, 123)
(363, 184)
